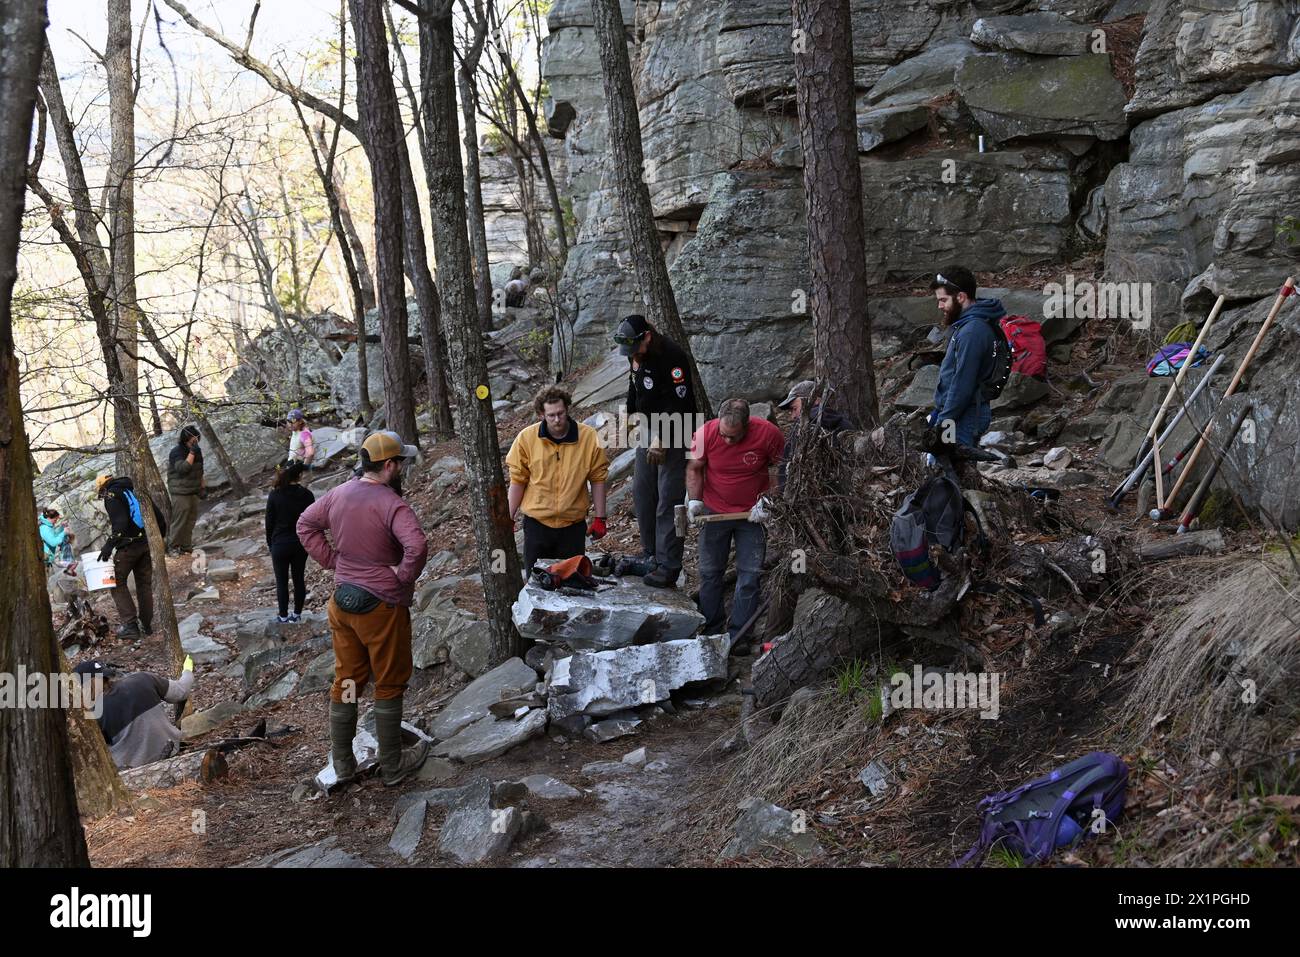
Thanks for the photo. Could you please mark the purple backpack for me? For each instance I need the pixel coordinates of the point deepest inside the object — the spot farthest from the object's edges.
(1053, 811)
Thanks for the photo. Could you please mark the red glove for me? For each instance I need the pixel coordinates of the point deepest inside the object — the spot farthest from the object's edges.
(597, 529)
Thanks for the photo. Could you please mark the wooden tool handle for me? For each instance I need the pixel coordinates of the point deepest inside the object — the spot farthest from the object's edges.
(722, 517)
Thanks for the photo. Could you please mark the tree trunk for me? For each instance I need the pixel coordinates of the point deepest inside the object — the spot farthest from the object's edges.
(823, 69)
(120, 195)
(39, 824)
(426, 300)
(368, 301)
(381, 138)
(544, 160)
(634, 197)
(474, 192)
(475, 422)
(132, 441)
(153, 406)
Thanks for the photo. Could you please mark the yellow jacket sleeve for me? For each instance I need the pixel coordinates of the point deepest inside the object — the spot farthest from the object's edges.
(599, 460)
(517, 458)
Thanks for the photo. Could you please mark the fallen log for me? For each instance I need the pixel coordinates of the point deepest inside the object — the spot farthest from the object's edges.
(1208, 541)
(202, 766)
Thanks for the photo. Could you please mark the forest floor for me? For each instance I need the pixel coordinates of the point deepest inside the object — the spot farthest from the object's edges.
(1062, 699)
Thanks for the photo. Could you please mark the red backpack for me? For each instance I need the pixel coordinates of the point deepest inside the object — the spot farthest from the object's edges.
(1028, 350)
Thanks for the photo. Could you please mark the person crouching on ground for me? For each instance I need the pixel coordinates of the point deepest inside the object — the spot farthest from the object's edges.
(377, 550)
(551, 464)
(132, 715)
(284, 506)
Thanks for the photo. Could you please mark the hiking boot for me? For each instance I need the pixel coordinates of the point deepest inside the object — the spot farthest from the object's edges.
(662, 578)
(130, 629)
(283, 619)
(295, 619)
(343, 728)
(639, 566)
(146, 628)
(395, 763)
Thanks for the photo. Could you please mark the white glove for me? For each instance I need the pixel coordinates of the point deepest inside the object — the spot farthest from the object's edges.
(694, 508)
(759, 513)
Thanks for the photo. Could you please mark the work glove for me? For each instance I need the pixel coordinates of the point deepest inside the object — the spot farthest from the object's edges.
(655, 456)
(759, 513)
(695, 508)
(106, 553)
(189, 664)
(597, 529)
(930, 439)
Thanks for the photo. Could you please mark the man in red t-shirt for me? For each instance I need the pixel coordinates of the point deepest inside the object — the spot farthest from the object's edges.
(728, 471)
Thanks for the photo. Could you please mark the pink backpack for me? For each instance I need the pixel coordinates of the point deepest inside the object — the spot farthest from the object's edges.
(1028, 350)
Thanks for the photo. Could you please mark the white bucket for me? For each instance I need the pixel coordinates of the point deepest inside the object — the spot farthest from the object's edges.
(99, 575)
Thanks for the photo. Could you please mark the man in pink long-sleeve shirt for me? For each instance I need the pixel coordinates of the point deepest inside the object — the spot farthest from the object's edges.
(377, 552)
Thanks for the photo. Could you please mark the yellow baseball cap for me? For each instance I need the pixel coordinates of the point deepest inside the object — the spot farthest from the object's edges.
(382, 446)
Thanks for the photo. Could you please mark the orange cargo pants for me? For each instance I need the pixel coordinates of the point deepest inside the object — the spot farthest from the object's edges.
(376, 644)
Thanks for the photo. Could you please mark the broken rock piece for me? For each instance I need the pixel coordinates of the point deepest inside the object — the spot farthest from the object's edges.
(628, 613)
(764, 828)
(603, 682)
(509, 679)
(489, 737)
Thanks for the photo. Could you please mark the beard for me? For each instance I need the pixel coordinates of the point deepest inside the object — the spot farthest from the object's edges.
(396, 483)
(952, 313)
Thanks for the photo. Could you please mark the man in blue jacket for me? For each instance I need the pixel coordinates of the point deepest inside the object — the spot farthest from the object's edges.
(968, 363)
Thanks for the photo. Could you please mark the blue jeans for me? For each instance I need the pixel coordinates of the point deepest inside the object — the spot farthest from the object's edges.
(715, 548)
(972, 423)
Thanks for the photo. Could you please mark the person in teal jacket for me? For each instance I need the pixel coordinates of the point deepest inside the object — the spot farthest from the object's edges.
(55, 537)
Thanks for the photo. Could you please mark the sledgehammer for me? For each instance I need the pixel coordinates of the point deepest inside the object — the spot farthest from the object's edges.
(681, 521)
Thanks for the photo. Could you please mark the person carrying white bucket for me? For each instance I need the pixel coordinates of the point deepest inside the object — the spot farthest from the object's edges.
(127, 539)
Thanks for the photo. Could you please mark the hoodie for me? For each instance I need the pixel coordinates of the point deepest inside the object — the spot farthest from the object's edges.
(52, 537)
(968, 363)
(182, 477)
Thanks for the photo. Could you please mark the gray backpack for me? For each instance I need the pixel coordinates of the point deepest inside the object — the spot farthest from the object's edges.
(932, 515)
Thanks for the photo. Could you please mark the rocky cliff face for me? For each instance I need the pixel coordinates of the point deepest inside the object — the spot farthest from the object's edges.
(1162, 131)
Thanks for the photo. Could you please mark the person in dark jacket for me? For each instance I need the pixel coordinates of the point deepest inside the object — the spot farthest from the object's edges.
(659, 387)
(825, 418)
(287, 501)
(128, 546)
(961, 412)
(131, 711)
(186, 485)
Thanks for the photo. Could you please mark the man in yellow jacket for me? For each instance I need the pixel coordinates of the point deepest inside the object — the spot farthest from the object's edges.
(550, 465)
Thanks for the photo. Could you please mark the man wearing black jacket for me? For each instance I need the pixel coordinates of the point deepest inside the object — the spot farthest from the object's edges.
(659, 387)
(186, 484)
(127, 538)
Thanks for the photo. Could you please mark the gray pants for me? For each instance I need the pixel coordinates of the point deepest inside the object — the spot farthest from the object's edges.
(656, 489)
(715, 549)
(185, 511)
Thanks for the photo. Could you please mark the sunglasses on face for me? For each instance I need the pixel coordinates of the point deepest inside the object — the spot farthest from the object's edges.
(627, 340)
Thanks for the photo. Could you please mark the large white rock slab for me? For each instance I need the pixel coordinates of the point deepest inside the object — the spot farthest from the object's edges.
(604, 682)
(615, 616)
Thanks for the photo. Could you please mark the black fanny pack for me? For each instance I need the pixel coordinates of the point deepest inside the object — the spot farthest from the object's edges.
(354, 599)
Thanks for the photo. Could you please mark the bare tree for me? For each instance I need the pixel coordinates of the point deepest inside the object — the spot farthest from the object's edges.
(823, 69)
(475, 421)
(39, 824)
(473, 179)
(381, 137)
(92, 266)
(634, 197)
(416, 256)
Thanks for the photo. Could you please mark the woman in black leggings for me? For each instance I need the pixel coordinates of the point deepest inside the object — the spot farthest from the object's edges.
(286, 502)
